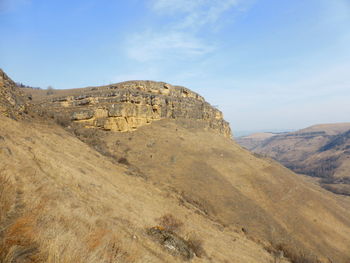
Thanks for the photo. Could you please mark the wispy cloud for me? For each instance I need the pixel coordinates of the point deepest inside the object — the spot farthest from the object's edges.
(153, 45)
(318, 96)
(178, 38)
(194, 14)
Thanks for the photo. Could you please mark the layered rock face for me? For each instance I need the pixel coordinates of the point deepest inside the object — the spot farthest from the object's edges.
(129, 105)
(12, 101)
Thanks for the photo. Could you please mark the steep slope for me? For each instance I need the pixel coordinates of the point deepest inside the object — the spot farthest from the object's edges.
(318, 151)
(187, 152)
(254, 140)
(61, 201)
(12, 100)
(68, 203)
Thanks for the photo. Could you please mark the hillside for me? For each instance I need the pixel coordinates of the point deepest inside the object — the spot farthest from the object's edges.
(154, 178)
(12, 100)
(254, 140)
(320, 151)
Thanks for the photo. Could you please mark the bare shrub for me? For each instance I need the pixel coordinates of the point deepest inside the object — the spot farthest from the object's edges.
(197, 246)
(63, 120)
(170, 223)
(105, 245)
(123, 160)
(296, 255)
(50, 90)
(92, 137)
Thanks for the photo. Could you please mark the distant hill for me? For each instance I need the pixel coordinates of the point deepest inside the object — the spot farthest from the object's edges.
(255, 139)
(321, 151)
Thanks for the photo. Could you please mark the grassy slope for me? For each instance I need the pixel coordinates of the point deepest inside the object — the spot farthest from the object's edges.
(325, 154)
(237, 189)
(207, 181)
(64, 202)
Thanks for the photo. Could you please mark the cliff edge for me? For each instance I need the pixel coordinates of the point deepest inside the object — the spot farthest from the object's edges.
(128, 105)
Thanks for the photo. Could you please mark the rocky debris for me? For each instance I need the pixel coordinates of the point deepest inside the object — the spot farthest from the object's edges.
(129, 105)
(12, 100)
(172, 242)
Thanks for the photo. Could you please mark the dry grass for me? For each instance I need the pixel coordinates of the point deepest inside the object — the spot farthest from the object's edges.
(81, 220)
(5, 196)
(169, 223)
(196, 245)
(294, 254)
(63, 120)
(18, 241)
(94, 239)
(43, 232)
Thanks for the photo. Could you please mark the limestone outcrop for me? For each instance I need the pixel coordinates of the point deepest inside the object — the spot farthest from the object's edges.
(129, 105)
(12, 101)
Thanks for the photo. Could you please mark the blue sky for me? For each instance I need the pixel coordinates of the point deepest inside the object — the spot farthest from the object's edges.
(267, 64)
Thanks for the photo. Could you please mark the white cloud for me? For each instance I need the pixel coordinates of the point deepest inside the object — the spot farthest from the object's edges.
(150, 45)
(194, 13)
(175, 6)
(178, 37)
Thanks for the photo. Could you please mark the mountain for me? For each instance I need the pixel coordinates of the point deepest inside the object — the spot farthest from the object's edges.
(321, 151)
(145, 171)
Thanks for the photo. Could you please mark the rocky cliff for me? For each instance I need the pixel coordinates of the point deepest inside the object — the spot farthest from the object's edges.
(12, 101)
(129, 105)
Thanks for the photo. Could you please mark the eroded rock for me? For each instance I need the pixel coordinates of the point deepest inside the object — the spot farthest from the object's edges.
(172, 242)
(129, 105)
(12, 100)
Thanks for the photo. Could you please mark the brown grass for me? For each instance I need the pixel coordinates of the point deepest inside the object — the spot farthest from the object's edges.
(123, 160)
(5, 196)
(197, 246)
(63, 120)
(296, 255)
(170, 223)
(18, 242)
(95, 238)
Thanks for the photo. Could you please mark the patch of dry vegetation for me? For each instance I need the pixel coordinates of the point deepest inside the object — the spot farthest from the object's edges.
(196, 244)
(170, 223)
(293, 253)
(167, 234)
(39, 231)
(17, 234)
(5, 196)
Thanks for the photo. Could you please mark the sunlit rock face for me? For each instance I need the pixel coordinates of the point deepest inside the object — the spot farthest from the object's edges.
(12, 101)
(129, 105)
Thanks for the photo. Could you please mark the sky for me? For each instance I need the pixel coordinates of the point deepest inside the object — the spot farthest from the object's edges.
(269, 65)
